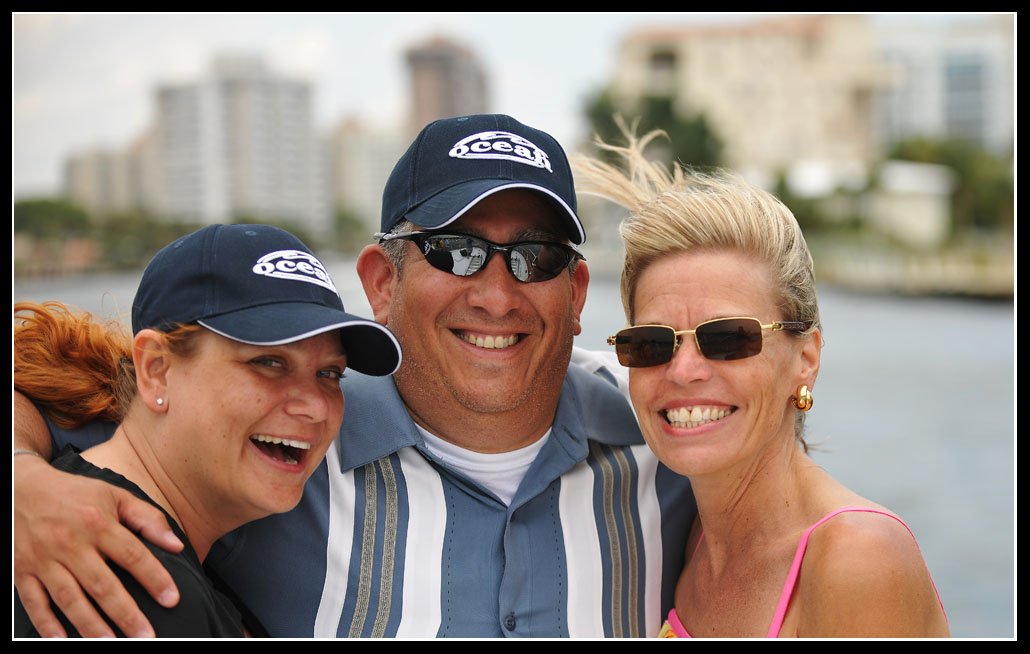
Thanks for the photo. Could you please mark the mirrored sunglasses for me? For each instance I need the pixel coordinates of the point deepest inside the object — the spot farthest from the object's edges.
(464, 255)
(724, 339)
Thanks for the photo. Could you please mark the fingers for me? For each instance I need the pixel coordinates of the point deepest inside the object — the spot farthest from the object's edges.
(120, 547)
(67, 596)
(74, 574)
(124, 548)
(36, 603)
(150, 523)
(63, 543)
(70, 595)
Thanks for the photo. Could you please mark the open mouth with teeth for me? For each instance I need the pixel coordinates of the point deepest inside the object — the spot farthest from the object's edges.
(489, 342)
(695, 416)
(281, 449)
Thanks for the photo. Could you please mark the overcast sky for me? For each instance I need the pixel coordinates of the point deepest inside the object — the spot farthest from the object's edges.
(80, 81)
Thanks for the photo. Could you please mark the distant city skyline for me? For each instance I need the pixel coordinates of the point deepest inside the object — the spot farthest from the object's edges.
(85, 81)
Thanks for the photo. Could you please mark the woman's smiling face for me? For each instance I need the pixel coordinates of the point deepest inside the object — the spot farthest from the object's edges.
(253, 422)
(702, 416)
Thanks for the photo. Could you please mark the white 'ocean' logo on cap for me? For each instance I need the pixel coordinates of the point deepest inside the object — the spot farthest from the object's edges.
(296, 265)
(500, 145)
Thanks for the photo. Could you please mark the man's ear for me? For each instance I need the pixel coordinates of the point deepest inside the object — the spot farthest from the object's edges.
(377, 274)
(580, 281)
(152, 359)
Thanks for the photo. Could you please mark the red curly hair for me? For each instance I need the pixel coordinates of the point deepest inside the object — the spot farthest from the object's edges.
(77, 369)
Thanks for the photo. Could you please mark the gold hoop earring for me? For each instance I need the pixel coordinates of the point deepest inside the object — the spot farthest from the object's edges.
(803, 401)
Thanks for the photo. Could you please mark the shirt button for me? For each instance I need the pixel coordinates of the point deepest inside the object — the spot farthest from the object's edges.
(509, 622)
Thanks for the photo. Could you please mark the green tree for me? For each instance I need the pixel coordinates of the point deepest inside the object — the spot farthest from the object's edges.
(806, 210)
(983, 197)
(351, 232)
(692, 141)
(50, 218)
(129, 239)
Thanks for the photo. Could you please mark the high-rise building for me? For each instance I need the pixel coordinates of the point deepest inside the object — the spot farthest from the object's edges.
(240, 144)
(776, 91)
(108, 181)
(361, 157)
(98, 181)
(447, 80)
(955, 80)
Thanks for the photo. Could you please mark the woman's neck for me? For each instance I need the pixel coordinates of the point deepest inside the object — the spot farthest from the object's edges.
(129, 454)
(754, 503)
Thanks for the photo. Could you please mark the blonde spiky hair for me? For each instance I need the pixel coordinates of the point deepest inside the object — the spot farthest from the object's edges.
(678, 209)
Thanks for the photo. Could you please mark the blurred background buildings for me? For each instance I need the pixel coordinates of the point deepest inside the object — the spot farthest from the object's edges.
(838, 115)
(240, 143)
(447, 79)
(781, 91)
(812, 107)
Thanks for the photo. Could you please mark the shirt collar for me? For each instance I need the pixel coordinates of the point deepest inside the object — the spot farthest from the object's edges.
(376, 423)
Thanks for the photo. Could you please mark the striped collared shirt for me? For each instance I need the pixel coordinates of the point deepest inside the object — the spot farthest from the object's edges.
(388, 542)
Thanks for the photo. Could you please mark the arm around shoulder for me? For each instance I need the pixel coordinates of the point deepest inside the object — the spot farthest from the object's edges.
(64, 528)
(864, 577)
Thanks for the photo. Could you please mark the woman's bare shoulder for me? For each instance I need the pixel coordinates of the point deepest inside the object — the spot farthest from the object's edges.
(864, 576)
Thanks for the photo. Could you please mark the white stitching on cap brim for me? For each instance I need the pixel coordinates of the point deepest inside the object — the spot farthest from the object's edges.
(316, 332)
(572, 214)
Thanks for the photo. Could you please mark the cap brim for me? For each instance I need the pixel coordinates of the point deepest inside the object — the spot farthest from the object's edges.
(371, 348)
(451, 204)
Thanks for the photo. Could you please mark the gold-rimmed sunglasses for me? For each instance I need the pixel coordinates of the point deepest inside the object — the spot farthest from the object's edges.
(723, 339)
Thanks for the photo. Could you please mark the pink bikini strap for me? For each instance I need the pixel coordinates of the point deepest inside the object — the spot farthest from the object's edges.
(795, 568)
(677, 627)
(699, 539)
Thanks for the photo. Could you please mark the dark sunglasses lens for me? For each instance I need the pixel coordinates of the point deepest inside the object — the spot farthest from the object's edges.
(537, 262)
(466, 255)
(730, 339)
(642, 347)
(458, 255)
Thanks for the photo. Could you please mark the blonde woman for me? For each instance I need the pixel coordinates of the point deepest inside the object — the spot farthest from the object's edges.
(723, 349)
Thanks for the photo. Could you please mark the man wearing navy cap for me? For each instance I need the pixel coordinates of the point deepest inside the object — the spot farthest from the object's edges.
(487, 489)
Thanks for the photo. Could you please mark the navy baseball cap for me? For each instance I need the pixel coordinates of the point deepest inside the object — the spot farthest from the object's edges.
(255, 284)
(456, 162)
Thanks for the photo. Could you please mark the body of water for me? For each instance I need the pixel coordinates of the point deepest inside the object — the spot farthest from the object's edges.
(914, 409)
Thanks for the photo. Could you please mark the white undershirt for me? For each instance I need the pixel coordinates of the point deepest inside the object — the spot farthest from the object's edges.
(500, 473)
